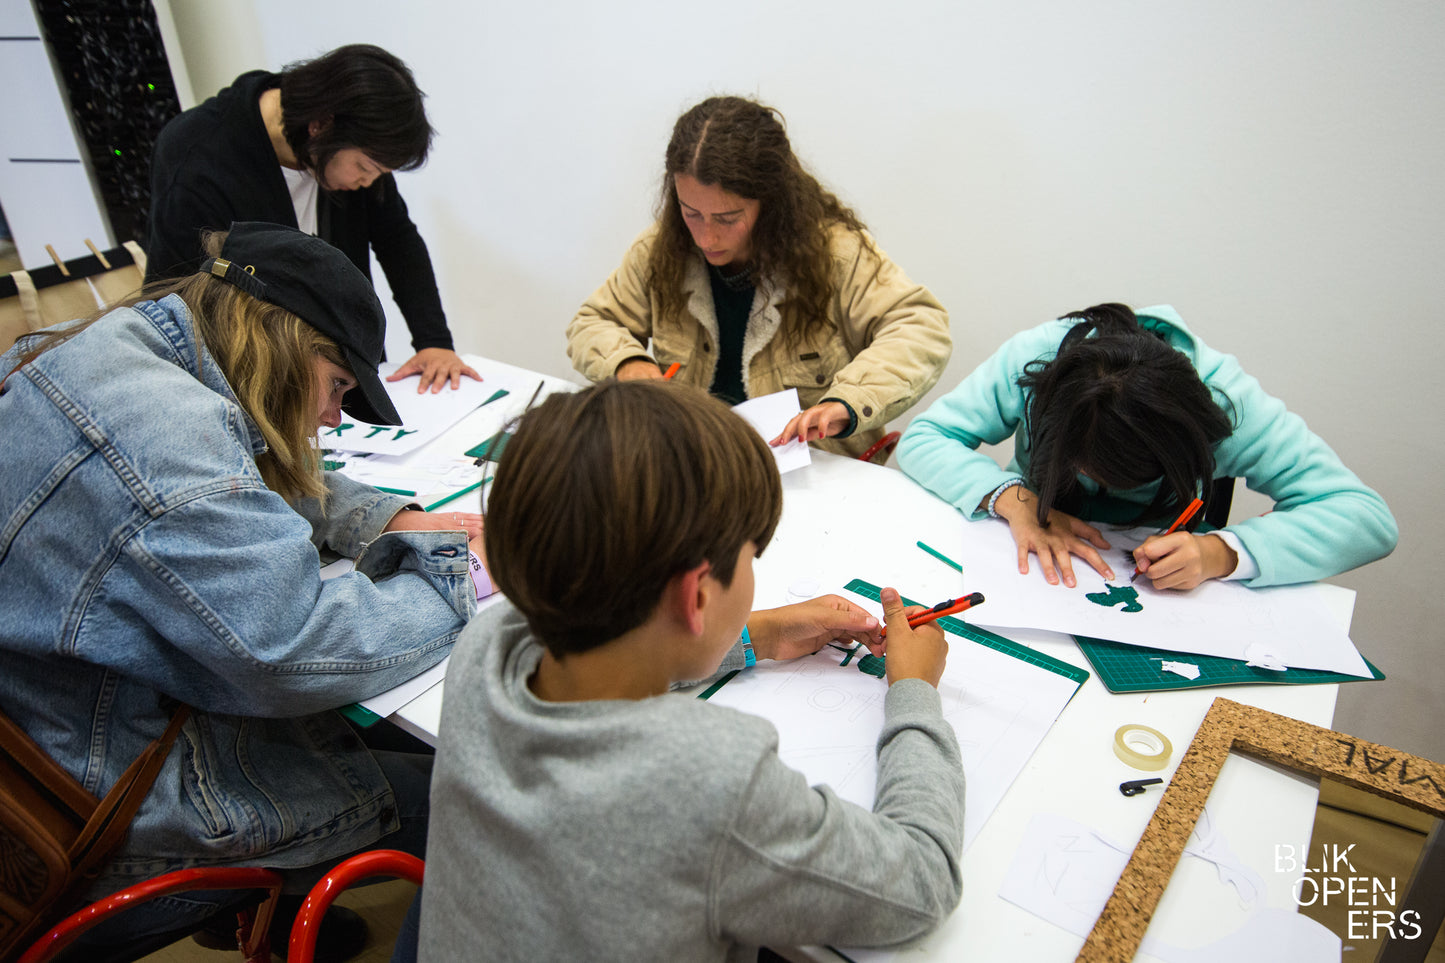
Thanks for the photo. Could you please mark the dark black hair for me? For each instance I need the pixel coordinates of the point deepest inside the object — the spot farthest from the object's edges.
(1120, 405)
(363, 97)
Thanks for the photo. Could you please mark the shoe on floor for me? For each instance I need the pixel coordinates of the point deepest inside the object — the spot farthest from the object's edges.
(342, 935)
(343, 932)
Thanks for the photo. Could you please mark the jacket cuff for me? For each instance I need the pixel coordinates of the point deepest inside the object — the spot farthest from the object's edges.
(632, 356)
(432, 552)
(852, 417)
(419, 343)
(866, 411)
(441, 558)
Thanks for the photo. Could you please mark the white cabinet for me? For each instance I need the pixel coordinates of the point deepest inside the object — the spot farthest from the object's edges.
(45, 185)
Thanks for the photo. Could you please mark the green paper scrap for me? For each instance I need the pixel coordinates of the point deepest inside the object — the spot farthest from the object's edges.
(499, 393)
(874, 665)
(941, 557)
(360, 715)
(457, 494)
(718, 684)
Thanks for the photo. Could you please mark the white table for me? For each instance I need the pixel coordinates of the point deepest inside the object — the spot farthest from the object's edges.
(844, 519)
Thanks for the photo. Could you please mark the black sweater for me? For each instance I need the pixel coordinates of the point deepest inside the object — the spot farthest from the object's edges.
(214, 164)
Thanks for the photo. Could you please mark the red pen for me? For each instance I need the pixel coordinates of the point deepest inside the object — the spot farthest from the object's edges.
(672, 369)
(1179, 523)
(946, 607)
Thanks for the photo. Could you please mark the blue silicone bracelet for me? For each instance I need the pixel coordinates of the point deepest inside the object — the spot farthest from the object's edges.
(750, 658)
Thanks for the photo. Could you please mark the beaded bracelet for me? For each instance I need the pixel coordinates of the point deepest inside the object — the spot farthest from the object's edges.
(993, 499)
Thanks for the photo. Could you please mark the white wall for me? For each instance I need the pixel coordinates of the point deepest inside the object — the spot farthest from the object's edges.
(1273, 170)
(47, 191)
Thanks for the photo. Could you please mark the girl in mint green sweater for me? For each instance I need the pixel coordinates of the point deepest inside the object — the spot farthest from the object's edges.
(1125, 418)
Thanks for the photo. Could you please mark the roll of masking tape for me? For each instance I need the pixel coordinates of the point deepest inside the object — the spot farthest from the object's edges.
(1142, 747)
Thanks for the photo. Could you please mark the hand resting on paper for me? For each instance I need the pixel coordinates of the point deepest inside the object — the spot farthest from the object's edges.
(793, 631)
(819, 421)
(436, 366)
(1054, 544)
(913, 653)
(411, 520)
(1183, 560)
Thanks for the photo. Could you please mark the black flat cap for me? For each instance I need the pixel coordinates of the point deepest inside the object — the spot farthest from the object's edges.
(316, 282)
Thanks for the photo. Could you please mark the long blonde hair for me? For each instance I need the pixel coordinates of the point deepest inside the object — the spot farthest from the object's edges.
(267, 355)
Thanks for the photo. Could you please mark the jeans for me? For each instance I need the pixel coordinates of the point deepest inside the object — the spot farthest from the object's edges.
(410, 777)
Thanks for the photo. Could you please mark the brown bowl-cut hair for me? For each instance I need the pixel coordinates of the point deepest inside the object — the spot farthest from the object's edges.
(605, 494)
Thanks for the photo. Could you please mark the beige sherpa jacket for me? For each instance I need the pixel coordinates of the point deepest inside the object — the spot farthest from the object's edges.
(887, 344)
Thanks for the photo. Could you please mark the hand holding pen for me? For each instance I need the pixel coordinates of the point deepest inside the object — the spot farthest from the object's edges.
(1183, 519)
(923, 616)
(915, 651)
(1176, 559)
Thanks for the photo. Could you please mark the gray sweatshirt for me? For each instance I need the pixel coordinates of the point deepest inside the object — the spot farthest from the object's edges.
(667, 828)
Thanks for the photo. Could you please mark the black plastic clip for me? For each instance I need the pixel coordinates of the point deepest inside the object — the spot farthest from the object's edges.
(1136, 786)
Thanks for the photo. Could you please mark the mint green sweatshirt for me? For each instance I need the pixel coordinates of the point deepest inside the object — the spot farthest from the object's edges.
(1325, 520)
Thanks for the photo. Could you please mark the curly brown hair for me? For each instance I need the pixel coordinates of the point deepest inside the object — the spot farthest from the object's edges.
(742, 146)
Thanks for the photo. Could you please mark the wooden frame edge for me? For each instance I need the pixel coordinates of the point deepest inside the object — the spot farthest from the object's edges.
(1232, 727)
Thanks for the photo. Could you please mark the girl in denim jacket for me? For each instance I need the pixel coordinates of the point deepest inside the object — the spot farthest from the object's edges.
(161, 511)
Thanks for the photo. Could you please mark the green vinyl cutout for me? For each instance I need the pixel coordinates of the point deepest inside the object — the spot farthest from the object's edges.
(1116, 594)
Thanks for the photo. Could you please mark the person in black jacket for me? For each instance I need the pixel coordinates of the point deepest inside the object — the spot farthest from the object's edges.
(312, 147)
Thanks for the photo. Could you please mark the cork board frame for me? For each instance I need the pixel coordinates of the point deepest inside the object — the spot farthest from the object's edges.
(1232, 727)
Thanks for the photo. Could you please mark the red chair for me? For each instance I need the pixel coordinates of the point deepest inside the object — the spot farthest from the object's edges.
(377, 862)
(252, 921)
(879, 451)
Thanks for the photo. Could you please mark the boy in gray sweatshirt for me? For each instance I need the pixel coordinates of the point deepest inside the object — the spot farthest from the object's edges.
(583, 811)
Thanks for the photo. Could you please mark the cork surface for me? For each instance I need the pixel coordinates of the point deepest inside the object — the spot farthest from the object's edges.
(1229, 726)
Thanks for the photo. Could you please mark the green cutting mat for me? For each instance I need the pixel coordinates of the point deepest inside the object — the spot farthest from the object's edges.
(983, 637)
(1130, 668)
(484, 450)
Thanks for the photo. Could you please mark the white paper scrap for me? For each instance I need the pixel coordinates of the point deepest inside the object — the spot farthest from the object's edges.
(1187, 669)
(1260, 656)
(769, 415)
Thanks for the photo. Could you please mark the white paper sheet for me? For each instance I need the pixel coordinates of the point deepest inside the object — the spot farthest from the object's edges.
(769, 415)
(1064, 873)
(1221, 619)
(416, 473)
(424, 416)
(829, 715)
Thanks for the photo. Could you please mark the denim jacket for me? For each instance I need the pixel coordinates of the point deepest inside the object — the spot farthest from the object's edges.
(143, 561)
